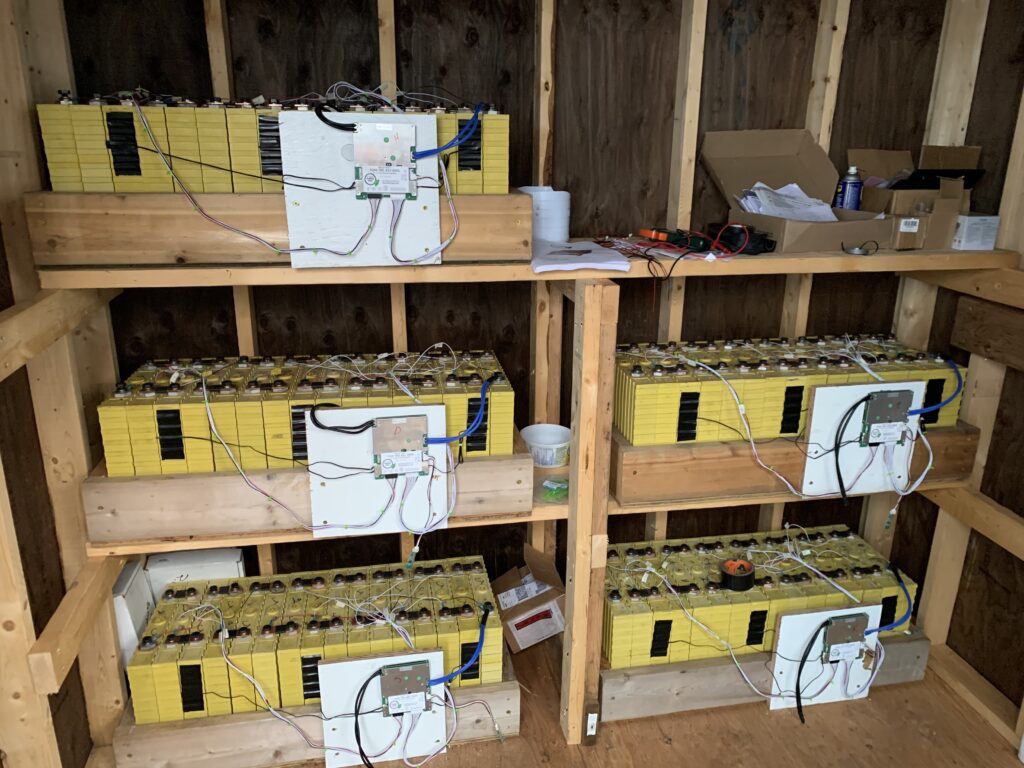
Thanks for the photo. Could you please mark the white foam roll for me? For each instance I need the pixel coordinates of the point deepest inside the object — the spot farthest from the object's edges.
(550, 214)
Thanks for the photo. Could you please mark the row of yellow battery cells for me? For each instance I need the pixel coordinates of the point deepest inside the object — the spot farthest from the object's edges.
(873, 345)
(746, 620)
(488, 175)
(647, 401)
(260, 426)
(282, 656)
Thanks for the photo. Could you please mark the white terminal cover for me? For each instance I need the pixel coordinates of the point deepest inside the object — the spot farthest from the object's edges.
(861, 473)
(350, 503)
(338, 219)
(795, 632)
(340, 682)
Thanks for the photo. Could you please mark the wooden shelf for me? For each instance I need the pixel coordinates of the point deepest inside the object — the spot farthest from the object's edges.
(701, 472)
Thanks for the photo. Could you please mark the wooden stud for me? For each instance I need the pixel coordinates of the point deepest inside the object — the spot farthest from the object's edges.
(544, 92)
(27, 738)
(983, 389)
(1011, 205)
(57, 647)
(96, 354)
(594, 322)
(670, 309)
(796, 303)
(992, 330)
(399, 320)
(915, 309)
(245, 319)
(218, 43)
(833, 18)
(686, 112)
(770, 517)
(29, 327)
(963, 29)
(976, 510)
(878, 521)
(945, 565)
(540, 369)
(656, 525)
(267, 559)
(387, 46)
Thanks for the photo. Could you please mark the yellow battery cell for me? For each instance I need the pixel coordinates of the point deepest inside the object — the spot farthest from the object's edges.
(58, 134)
(214, 150)
(117, 441)
(222, 406)
(269, 147)
(140, 677)
(215, 679)
(252, 451)
(166, 681)
(183, 143)
(243, 146)
(141, 417)
(95, 162)
(243, 696)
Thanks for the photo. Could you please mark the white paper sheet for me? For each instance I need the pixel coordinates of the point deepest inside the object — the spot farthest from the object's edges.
(565, 257)
(788, 202)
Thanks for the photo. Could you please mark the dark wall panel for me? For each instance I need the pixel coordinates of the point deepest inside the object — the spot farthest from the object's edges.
(615, 64)
(482, 51)
(688, 523)
(169, 322)
(989, 608)
(286, 48)
(757, 74)
(733, 307)
(323, 319)
(350, 552)
(155, 44)
(638, 310)
(996, 100)
(814, 512)
(477, 316)
(501, 546)
(940, 338)
(854, 303)
(912, 542)
(886, 79)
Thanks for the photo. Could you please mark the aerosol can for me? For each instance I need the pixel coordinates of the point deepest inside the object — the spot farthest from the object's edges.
(848, 190)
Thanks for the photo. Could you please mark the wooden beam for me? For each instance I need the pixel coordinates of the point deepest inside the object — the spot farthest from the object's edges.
(96, 353)
(31, 326)
(1011, 205)
(796, 303)
(218, 44)
(997, 710)
(976, 510)
(544, 91)
(833, 18)
(46, 50)
(387, 47)
(399, 319)
(983, 390)
(686, 112)
(945, 566)
(178, 506)
(670, 309)
(878, 521)
(540, 362)
(992, 330)
(595, 320)
(771, 516)
(915, 310)
(56, 649)
(1003, 286)
(245, 319)
(27, 738)
(963, 30)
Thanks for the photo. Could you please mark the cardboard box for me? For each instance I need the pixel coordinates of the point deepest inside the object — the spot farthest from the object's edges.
(885, 164)
(194, 565)
(133, 604)
(975, 232)
(931, 229)
(737, 160)
(531, 601)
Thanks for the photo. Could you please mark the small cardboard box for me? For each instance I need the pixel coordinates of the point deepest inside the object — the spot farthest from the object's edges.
(975, 232)
(885, 163)
(931, 229)
(531, 600)
(737, 160)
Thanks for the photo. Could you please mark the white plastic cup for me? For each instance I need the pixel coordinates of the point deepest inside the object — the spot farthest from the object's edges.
(548, 443)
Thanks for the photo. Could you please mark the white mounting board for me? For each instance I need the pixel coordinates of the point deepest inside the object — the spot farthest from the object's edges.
(794, 633)
(828, 404)
(337, 220)
(357, 500)
(340, 682)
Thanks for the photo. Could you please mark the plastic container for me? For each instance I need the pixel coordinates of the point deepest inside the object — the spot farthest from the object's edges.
(549, 444)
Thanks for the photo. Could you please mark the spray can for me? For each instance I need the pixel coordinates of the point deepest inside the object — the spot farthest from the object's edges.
(848, 190)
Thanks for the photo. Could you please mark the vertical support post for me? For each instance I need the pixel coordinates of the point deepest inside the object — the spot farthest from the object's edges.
(544, 90)
(833, 19)
(218, 43)
(96, 354)
(245, 319)
(963, 30)
(594, 325)
(399, 321)
(796, 304)
(27, 737)
(387, 44)
(770, 516)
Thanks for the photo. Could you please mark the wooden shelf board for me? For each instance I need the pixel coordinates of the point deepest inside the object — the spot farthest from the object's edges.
(484, 272)
(257, 740)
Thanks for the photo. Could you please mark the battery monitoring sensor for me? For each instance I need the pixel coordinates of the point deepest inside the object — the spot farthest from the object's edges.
(383, 160)
(398, 446)
(886, 417)
(404, 688)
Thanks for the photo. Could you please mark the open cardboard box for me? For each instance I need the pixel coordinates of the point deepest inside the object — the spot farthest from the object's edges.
(531, 600)
(737, 160)
(925, 218)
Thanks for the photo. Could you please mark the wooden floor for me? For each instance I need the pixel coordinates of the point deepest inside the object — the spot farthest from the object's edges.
(919, 725)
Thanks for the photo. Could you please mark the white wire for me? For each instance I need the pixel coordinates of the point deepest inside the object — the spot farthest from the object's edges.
(879, 651)
(396, 212)
(443, 747)
(889, 457)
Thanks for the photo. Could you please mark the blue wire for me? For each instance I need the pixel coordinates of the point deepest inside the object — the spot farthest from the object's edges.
(906, 616)
(473, 426)
(467, 130)
(472, 660)
(948, 400)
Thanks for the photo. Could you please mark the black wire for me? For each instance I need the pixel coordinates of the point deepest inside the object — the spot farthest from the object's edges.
(799, 670)
(341, 429)
(318, 110)
(843, 423)
(307, 465)
(263, 707)
(355, 721)
(340, 187)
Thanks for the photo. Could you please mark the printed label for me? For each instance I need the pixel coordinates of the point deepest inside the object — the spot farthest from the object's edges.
(909, 225)
(521, 593)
